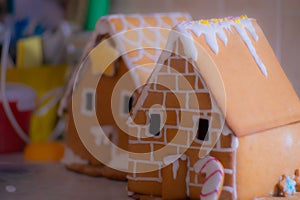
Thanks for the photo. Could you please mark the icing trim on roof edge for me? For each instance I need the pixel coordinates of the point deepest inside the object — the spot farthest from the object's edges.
(213, 28)
(110, 29)
(105, 26)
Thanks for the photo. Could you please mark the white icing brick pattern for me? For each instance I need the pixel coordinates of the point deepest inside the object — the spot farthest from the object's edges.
(189, 130)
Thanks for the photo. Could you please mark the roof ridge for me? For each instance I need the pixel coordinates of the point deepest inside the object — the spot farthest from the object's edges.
(157, 14)
(213, 28)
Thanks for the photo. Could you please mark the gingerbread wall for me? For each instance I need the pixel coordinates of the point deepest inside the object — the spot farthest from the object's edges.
(104, 114)
(105, 104)
(74, 143)
(274, 152)
(180, 112)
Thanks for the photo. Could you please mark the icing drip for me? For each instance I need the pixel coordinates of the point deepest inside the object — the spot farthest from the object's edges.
(226, 130)
(175, 168)
(187, 178)
(289, 140)
(241, 30)
(102, 136)
(103, 133)
(234, 142)
(120, 160)
(215, 27)
(70, 157)
(174, 159)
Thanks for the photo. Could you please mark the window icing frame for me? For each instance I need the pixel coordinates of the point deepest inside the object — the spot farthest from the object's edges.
(196, 119)
(84, 101)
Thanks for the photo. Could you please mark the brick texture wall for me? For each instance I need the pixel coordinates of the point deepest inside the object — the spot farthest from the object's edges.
(181, 97)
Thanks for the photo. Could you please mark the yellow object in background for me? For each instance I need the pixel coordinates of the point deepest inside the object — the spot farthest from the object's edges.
(102, 58)
(48, 82)
(29, 52)
(44, 151)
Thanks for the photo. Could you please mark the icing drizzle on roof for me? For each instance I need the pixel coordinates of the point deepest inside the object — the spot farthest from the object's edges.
(148, 39)
(216, 27)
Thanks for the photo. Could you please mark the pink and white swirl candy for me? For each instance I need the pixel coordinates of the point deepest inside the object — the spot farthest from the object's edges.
(213, 182)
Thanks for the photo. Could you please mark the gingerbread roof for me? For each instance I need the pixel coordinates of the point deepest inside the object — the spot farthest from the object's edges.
(239, 67)
(139, 39)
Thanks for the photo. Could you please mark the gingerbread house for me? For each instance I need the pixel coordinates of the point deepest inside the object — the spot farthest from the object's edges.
(117, 61)
(218, 117)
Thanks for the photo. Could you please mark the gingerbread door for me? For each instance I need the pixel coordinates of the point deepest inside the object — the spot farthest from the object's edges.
(174, 177)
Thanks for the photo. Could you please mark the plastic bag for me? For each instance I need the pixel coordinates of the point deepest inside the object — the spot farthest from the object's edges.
(48, 81)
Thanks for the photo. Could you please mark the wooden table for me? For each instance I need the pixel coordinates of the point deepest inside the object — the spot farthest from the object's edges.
(26, 180)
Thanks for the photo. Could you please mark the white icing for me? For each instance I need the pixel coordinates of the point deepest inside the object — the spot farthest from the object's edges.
(170, 159)
(226, 130)
(142, 40)
(105, 26)
(234, 142)
(186, 39)
(213, 29)
(289, 140)
(103, 133)
(120, 160)
(70, 157)
(175, 168)
(241, 30)
(234, 176)
(229, 189)
(187, 178)
(251, 29)
(129, 193)
(175, 162)
(144, 179)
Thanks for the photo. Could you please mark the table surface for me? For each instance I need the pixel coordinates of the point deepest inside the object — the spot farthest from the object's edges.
(25, 180)
(30, 180)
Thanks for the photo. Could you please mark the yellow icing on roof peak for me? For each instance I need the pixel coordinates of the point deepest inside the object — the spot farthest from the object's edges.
(214, 28)
(243, 16)
(216, 20)
(236, 20)
(205, 22)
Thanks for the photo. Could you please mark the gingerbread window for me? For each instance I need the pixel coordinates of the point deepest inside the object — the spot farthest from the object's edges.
(127, 105)
(88, 103)
(202, 133)
(155, 122)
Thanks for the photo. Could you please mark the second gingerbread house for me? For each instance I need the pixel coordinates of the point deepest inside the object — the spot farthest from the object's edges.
(118, 60)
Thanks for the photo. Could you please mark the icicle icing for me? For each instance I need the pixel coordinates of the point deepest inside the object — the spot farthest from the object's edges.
(215, 27)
